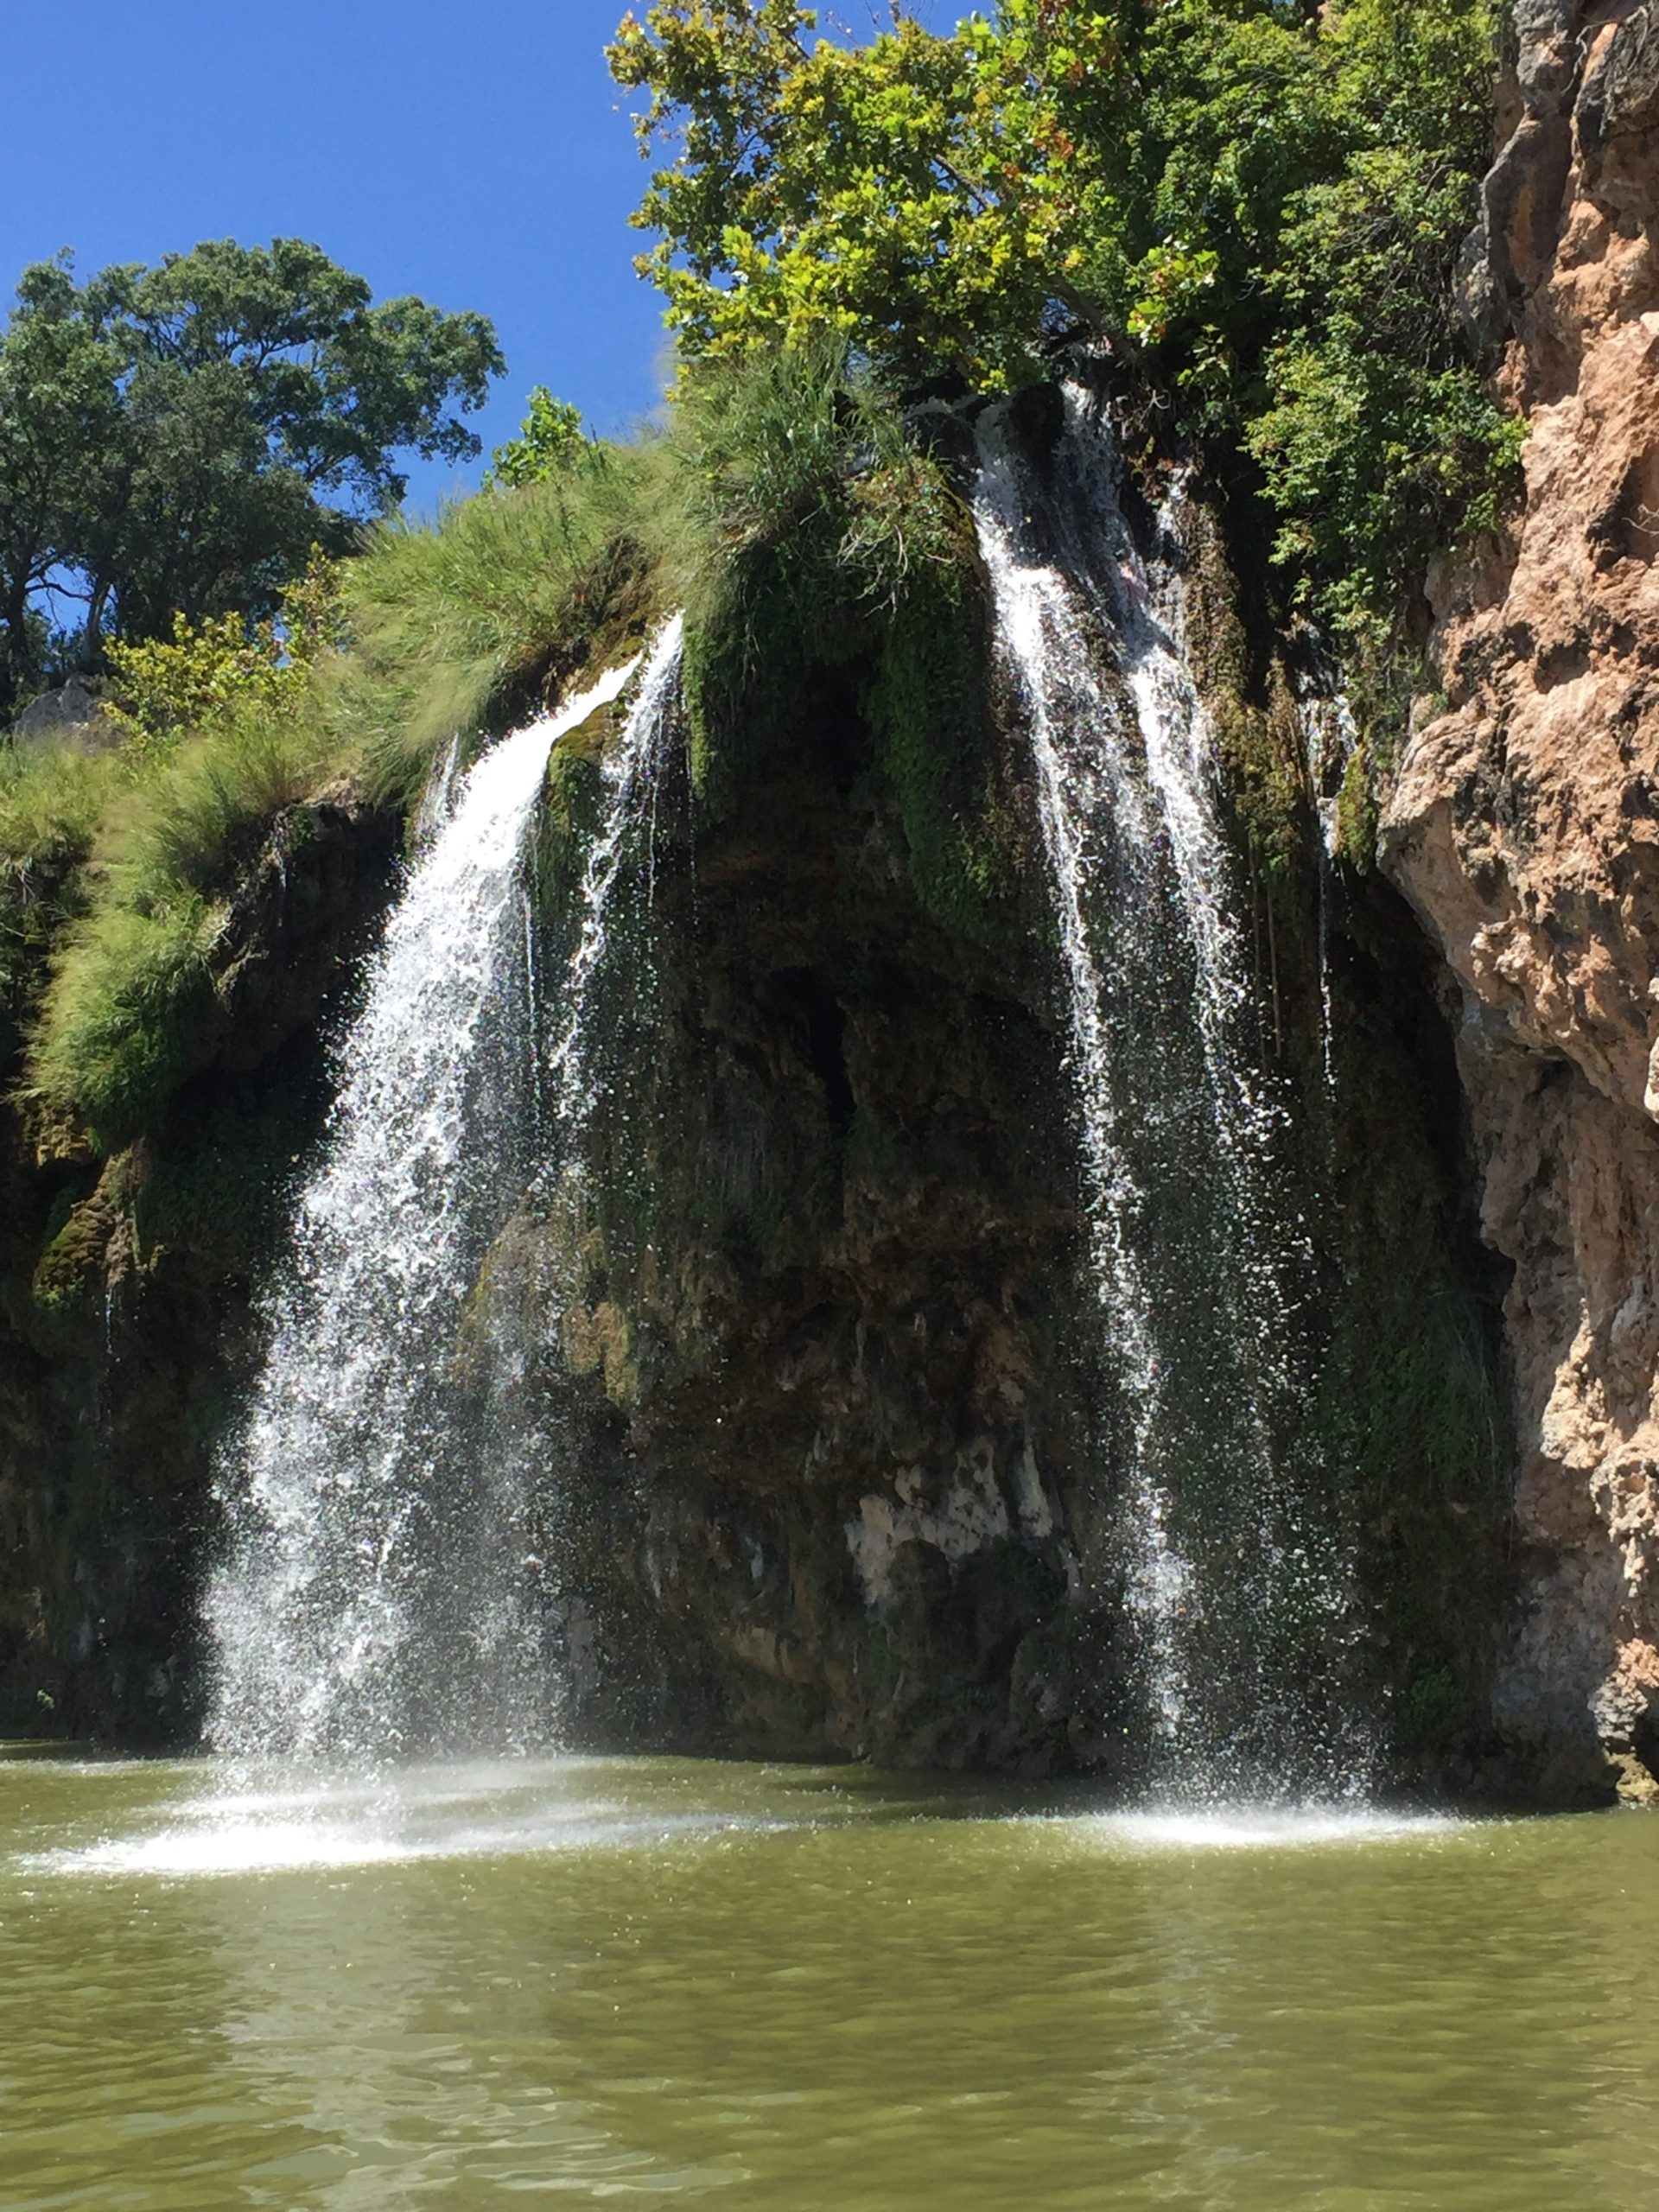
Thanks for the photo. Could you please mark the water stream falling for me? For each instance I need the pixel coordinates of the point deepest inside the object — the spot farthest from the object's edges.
(589, 1004)
(1330, 739)
(631, 776)
(1097, 827)
(1200, 1263)
(381, 1594)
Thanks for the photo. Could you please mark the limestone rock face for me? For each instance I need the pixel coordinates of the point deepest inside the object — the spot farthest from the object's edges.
(1524, 829)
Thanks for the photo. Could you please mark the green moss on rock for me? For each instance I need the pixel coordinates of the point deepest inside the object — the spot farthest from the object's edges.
(928, 705)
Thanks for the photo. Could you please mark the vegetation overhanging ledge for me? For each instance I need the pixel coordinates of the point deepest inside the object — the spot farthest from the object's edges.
(1255, 208)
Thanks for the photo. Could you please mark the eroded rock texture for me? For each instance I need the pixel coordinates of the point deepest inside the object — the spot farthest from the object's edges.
(1524, 830)
(809, 1306)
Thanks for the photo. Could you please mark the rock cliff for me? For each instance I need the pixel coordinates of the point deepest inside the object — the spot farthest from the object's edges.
(1524, 829)
(126, 1289)
(813, 1301)
(835, 1466)
(831, 1459)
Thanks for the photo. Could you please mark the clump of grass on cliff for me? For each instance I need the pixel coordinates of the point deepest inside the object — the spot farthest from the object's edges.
(216, 736)
(129, 987)
(811, 534)
(444, 619)
(783, 504)
(51, 802)
(129, 995)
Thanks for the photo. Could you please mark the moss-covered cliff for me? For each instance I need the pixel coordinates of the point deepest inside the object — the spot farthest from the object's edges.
(127, 1278)
(822, 1421)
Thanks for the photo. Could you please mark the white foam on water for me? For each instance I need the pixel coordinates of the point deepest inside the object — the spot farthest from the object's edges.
(1253, 1827)
(315, 1824)
(269, 1846)
(278, 1818)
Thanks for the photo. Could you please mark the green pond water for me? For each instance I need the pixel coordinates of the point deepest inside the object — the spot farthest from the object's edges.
(590, 1981)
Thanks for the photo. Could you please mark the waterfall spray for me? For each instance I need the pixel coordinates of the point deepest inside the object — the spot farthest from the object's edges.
(1197, 1254)
(379, 1594)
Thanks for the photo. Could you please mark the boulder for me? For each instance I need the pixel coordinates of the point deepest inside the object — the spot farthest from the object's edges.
(72, 714)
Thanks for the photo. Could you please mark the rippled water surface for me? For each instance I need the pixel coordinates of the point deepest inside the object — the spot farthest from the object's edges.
(599, 1980)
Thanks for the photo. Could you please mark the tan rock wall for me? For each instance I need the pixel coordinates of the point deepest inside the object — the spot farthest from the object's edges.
(1524, 827)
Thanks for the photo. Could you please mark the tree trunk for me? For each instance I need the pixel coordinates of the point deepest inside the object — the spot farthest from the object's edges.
(14, 653)
(91, 639)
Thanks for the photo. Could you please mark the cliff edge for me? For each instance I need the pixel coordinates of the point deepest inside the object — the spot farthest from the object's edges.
(1523, 830)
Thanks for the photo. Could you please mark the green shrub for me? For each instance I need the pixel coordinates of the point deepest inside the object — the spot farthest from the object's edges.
(1380, 443)
(51, 802)
(548, 439)
(130, 996)
(208, 673)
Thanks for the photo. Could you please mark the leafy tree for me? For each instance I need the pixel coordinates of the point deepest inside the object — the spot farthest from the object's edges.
(60, 420)
(548, 439)
(922, 195)
(1376, 438)
(204, 673)
(1258, 203)
(174, 440)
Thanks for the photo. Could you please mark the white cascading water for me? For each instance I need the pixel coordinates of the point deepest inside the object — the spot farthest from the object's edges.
(380, 1593)
(1330, 739)
(1096, 829)
(1198, 1256)
(513, 1320)
(631, 772)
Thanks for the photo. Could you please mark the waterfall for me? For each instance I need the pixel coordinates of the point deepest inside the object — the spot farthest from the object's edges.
(380, 1592)
(600, 985)
(1238, 1589)
(631, 772)
(1330, 739)
(1096, 825)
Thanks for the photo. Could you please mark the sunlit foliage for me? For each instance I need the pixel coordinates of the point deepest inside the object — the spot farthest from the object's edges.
(1256, 203)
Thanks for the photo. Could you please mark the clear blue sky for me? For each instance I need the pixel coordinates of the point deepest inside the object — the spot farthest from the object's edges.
(475, 152)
